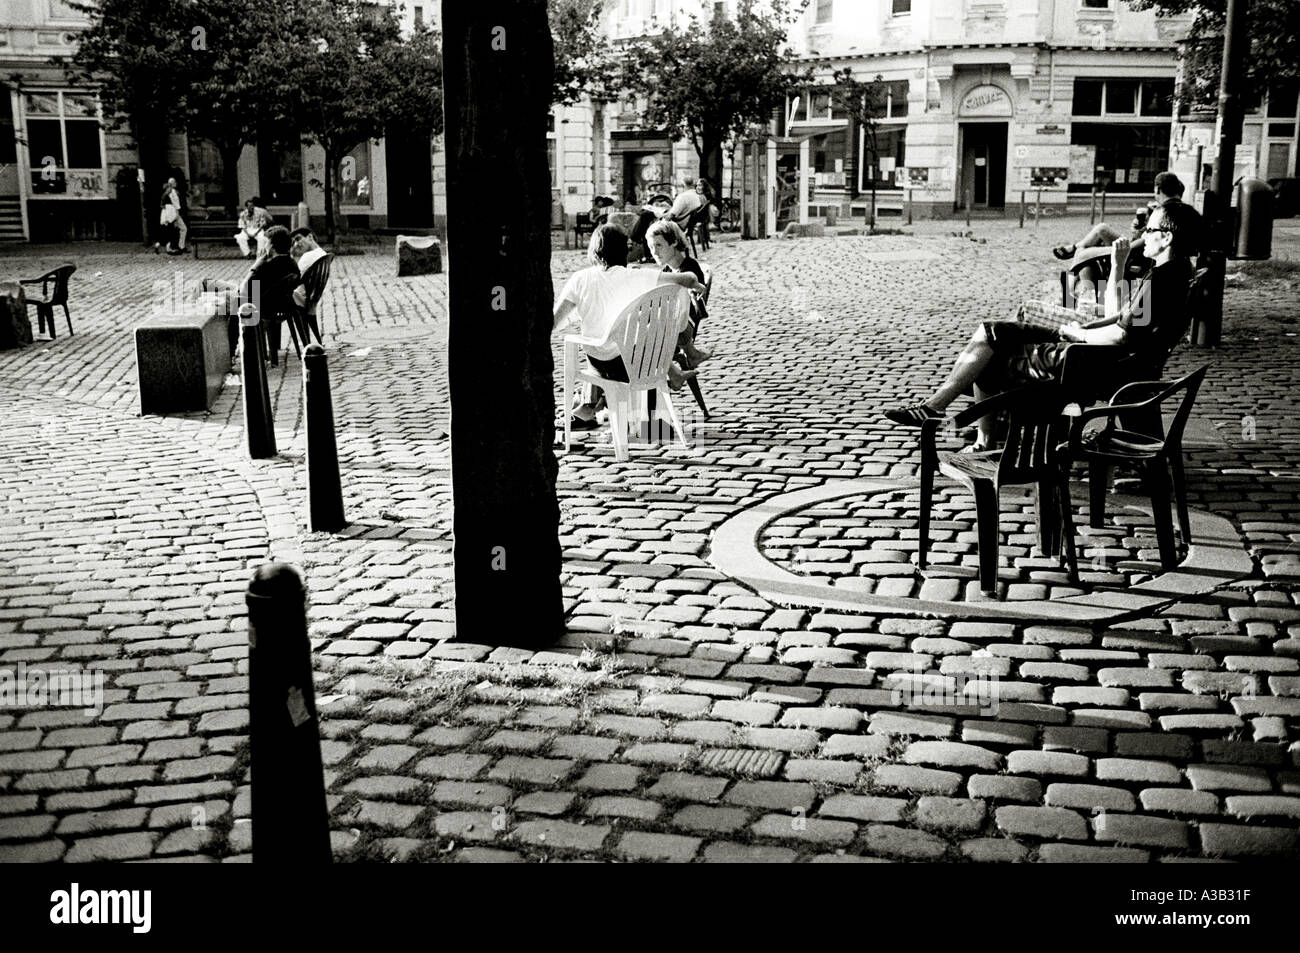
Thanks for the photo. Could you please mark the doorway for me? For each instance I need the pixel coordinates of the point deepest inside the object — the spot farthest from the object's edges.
(983, 164)
(408, 160)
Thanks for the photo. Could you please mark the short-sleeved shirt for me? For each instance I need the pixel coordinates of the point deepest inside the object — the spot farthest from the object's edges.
(600, 295)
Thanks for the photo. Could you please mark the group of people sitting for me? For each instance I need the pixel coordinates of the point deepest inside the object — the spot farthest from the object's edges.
(686, 210)
(273, 285)
(597, 295)
(1141, 316)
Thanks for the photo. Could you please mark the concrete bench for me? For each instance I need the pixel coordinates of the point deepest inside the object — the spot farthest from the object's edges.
(181, 361)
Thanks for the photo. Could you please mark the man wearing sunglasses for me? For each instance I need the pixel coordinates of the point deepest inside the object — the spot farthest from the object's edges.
(1144, 318)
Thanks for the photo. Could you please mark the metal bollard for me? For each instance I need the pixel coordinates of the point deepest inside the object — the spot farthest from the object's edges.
(1038, 206)
(290, 817)
(1092, 209)
(970, 200)
(324, 488)
(1022, 208)
(1103, 205)
(909, 206)
(257, 399)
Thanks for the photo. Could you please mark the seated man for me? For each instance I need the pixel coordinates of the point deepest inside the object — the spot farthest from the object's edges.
(1006, 354)
(598, 295)
(1168, 188)
(253, 221)
(687, 202)
(306, 252)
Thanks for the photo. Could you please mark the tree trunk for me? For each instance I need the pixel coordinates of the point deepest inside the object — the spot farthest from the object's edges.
(499, 60)
(230, 177)
(151, 141)
(711, 161)
(329, 193)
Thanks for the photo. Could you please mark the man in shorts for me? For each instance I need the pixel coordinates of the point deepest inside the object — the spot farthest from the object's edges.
(1005, 354)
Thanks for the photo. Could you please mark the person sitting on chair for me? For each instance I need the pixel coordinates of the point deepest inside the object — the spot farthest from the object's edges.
(253, 221)
(1005, 354)
(668, 248)
(268, 285)
(597, 296)
(306, 252)
(1168, 188)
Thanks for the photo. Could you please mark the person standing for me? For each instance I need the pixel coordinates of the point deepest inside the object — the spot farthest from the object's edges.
(172, 219)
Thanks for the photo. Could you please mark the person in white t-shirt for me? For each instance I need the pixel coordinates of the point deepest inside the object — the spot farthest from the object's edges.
(306, 253)
(597, 296)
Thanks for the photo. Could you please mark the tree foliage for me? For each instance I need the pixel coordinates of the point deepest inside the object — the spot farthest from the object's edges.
(336, 72)
(709, 81)
(1274, 31)
(585, 63)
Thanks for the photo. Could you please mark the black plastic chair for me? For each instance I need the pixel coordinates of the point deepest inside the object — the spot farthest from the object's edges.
(314, 280)
(1157, 456)
(694, 382)
(1035, 430)
(49, 300)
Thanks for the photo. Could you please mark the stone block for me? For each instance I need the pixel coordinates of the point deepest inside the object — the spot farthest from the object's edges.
(181, 361)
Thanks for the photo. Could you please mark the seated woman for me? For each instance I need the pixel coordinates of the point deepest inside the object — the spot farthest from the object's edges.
(1006, 354)
(598, 295)
(668, 248)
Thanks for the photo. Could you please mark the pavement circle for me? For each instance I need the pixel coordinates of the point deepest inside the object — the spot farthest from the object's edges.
(1217, 557)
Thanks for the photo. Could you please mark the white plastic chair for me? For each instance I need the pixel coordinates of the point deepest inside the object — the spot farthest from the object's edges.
(645, 334)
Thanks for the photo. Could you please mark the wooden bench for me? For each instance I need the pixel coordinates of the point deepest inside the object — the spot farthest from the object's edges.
(181, 361)
(220, 232)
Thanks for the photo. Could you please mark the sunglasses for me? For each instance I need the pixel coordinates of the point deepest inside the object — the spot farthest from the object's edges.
(1160, 229)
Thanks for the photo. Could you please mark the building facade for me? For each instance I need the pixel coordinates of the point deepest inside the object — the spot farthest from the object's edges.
(982, 102)
(65, 176)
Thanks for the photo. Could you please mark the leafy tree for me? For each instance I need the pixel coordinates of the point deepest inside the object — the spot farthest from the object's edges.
(237, 48)
(709, 81)
(136, 53)
(348, 76)
(865, 103)
(585, 63)
(1274, 32)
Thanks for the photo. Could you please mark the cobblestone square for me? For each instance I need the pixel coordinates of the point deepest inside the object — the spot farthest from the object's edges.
(689, 713)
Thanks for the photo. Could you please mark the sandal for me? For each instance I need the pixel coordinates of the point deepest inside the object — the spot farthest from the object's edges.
(1064, 252)
(580, 423)
(912, 416)
(974, 448)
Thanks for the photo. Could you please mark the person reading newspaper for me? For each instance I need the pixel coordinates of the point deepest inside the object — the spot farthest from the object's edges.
(1031, 347)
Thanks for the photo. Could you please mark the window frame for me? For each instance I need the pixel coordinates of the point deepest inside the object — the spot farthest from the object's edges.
(1139, 97)
(823, 12)
(66, 171)
(369, 204)
(894, 6)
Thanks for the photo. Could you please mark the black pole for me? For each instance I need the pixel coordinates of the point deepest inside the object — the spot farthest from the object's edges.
(257, 410)
(1218, 211)
(324, 489)
(290, 817)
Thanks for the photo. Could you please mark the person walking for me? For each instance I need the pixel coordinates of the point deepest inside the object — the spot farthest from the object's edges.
(172, 220)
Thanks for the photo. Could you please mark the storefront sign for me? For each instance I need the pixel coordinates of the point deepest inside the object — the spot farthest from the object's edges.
(1051, 129)
(918, 177)
(985, 100)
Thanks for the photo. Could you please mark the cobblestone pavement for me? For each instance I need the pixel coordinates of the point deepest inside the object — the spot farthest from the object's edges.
(681, 717)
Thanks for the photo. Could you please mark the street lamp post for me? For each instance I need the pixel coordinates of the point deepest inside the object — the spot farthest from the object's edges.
(1218, 211)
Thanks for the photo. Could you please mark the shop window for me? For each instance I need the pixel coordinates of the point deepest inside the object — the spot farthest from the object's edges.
(1127, 155)
(1096, 4)
(279, 167)
(1087, 97)
(901, 6)
(1121, 97)
(1282, 100)
(64, 144)
(825, 10)
(1157, 97)
(898, 99)
(354, 176)
(891, 155)
(207, 187)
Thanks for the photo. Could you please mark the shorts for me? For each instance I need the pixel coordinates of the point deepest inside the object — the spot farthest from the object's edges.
(1023, 354)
